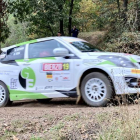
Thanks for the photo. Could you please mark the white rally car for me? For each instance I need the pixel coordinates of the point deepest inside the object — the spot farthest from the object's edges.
(55, 67)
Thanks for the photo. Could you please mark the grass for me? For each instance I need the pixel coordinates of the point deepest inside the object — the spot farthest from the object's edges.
(57, 127)
(7, 135)
(122, 126)
(73, 117)
(36, 138)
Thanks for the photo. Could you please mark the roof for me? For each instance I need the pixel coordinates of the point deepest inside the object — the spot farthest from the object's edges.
(20, 44)
(68, 39)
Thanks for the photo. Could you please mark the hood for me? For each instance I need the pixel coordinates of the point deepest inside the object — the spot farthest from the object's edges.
(102, 55)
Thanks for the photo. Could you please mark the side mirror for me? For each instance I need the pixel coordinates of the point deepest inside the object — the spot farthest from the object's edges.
(61, 52)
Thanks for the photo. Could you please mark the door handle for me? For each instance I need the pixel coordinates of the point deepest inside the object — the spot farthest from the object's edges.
(26, 64)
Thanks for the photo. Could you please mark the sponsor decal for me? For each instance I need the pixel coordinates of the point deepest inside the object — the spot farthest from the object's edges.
(56, 78)
(49, 75)
(39, 88)
(27, 78)
(55, 66)
(3, 72)
(50, 80)
(13, 83)
(91, 60)
(16, 53)
(48, 87)
(58, 87)
(66, 78)
(19, 49)
(135, 71)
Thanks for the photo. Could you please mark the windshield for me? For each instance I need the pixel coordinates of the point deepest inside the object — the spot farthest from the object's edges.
(85, 46)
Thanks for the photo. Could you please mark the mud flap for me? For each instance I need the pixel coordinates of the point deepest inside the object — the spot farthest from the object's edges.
(79, 97)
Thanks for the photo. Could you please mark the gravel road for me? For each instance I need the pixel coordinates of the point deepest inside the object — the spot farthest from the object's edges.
(57, 119)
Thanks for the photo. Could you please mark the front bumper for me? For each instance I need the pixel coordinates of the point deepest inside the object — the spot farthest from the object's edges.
(119, 75)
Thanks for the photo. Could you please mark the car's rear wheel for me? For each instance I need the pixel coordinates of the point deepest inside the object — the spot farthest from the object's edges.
(44, 101)
(96, 89)
(4, 95)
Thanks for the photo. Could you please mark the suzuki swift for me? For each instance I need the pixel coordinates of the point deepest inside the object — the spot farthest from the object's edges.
(57, 67)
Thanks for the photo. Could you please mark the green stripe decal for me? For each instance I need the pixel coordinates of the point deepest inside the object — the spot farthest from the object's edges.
(45, 58)
(20, 95)
(106, 63)
(133, 60)
(33, 59)
(28, 42)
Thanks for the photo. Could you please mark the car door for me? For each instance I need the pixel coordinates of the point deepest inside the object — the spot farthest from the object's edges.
(45, 71)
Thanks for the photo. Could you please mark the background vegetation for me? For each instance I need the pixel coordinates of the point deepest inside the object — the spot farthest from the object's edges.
(116, 21)
(112, 25)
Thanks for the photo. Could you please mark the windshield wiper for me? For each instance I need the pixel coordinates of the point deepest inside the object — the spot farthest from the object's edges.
(89, 51)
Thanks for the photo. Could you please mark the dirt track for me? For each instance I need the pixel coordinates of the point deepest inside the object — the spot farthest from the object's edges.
(59, 119)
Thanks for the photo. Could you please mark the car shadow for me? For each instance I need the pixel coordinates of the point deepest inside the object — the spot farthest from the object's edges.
(59, 102)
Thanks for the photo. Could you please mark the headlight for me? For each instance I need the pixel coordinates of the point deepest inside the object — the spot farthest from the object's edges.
(118, 61)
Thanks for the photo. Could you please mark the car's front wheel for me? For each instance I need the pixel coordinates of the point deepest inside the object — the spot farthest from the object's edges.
(96, 89)
(4, 95)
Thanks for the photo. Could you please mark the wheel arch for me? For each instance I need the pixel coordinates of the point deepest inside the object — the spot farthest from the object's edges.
(4, 83)
(7, 101)
(86, 73)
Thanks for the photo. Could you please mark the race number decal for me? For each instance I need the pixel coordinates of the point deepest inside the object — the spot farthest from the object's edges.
(56, 66)
(66, 66)
(13, 83)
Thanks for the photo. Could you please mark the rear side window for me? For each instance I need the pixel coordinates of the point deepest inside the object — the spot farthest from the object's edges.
(15, 53)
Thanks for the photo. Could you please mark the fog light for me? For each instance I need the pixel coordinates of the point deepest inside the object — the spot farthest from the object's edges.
(132, 82)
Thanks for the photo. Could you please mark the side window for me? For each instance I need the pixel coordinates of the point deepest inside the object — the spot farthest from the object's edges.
(44, 49)
(15, 53)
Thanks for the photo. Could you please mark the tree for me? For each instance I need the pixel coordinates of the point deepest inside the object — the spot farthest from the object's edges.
(118, 3)
(45, 17)
(4, 30)
(41, 15)
(70, 16)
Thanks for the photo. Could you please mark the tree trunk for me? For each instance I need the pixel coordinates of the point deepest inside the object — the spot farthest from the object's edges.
(70, 17)
(125, 4)
(118, 3)
(138, 15)
(124, 16)
(61, 27)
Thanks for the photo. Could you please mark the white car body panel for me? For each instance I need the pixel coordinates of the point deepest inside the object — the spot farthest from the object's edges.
(64, 81)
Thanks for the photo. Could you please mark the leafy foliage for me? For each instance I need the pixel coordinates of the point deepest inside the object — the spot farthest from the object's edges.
(43, 16)
(18, 32)
(4, 30)
(120, 19)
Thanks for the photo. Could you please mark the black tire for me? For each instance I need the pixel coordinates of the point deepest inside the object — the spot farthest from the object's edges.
(44, 101)
(5, 102)
(108, 88)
